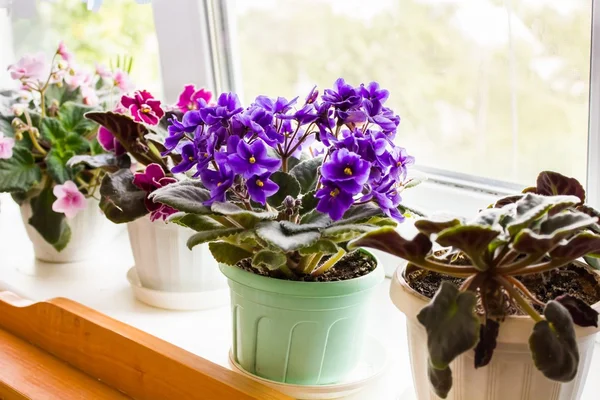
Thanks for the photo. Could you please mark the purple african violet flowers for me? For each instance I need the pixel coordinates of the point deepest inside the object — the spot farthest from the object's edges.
(235, 150)
(143, 107)
(151, 179)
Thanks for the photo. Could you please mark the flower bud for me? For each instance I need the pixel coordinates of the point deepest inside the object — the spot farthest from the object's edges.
(17, 124)
(62, 64)
(18, 135)
(17, 109)
(289, 202)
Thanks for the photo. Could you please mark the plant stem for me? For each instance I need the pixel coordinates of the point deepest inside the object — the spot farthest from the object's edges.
(542, 267)
(284, 164)
(525, 306)
(329, 263)
(452, 270)
(312, 264)
(522, 263)
(519, 285)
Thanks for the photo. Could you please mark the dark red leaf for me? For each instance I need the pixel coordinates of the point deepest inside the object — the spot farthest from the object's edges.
(582, 313)
(487, 343)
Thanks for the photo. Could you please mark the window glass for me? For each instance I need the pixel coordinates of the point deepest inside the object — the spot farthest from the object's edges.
(494, 88)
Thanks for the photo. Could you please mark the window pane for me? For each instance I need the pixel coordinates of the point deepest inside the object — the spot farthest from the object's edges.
(119, 28)
(495, 88)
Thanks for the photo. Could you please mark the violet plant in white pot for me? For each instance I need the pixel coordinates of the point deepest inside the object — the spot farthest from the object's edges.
(504, 291)
(166, 273)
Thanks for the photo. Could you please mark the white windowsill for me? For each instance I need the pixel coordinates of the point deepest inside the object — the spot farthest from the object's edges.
(101, 284)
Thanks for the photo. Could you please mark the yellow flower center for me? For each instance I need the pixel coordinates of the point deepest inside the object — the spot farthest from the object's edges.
(252, 160)
(191, 158)
(259, 183)
(145, 108)
(399, 163)
(219, 184)
(192, 106)
(205, 155)
(334, 192)
(348, 171)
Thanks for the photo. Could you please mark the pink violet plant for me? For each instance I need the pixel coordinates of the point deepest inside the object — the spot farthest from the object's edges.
(69, 200)
(6, 146)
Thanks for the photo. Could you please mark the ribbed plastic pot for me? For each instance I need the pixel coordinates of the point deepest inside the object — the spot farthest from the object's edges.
(163, 261)
(307, 333)
(90, 233)
(510, 375)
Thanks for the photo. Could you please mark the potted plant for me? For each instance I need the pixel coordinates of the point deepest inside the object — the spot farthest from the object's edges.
(507, 284)
(280, 191)
(42, 126)
(163, 264)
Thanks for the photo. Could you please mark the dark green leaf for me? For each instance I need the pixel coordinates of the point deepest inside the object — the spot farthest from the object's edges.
(553, 344)
(57, 167)
(306, 173)
(227, 253)
(271, 260)
(532, 206)
(196, 222)
(359, 214)
(429, 227)
(320, 246)
(441, 380)
(309, 202)
(507, 200)
(388, 240)
(344, 233)
(288, 186)
(212, 235)
(75, 143)
(73, 120)
(106, 161)
(593, 262)
(473, 240)
(187, 196)
(19, 173)
(51, 225)
(62, 94)
(273, 233)
(121, 201)
(488, 333)
(52, 130)
(552, 183)
(581, 312)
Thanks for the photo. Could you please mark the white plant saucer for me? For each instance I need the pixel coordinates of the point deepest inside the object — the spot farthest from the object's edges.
(370, 368)
(182, 301)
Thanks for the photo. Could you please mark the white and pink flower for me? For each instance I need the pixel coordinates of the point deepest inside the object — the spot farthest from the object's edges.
(6, 146)
(69, 200)
(30, 67)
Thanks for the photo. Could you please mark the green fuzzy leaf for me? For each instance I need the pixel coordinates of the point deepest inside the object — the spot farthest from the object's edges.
(57, 167)
(344, 233)
(187, 196)
(273, 233)
(53, 130)
(106, 161)
(52, 226)
(271, 260)
(121, 201)
(75, 143)
(429, 227)
(72, 116)
(209, 236)
(306, 173)
(532, 206)
(62, 94)
(244, 217)
(19, 173)
(582, 244)
(382, 221)
(593, 262)
(309, 202)
(553, 344)
(196, 222)
(552, 183)
(288, 186)
(320, 246)
(388, 240)
(440, 379)
(359, 214)
(313, 221)
(473, 240)
(226, 253)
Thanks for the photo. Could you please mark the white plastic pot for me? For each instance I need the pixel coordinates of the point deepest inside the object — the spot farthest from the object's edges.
(510, 375)
(164, 263)
(91, 232)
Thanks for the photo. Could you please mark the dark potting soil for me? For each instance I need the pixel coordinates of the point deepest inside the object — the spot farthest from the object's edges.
(352, 265)
(571, 279)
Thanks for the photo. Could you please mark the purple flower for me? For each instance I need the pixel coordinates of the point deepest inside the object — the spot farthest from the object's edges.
(188, 99)
(189, 158)
(227, 106)
(218, 182)
(279, 106)
(260, 187)
(333, 200)
(347, 169)
(252, 159)
(109, 142)
(143, 107)
(399, 160)
(373, 93)
(343, 97)
(305, 115)
(387, 197)
(177, 131)
(259, 122)
(153, 178)
(312, 96)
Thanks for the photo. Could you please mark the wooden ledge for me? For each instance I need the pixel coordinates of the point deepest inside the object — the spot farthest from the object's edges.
(123, 358)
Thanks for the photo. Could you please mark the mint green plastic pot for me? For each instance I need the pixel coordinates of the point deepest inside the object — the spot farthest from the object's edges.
(308, 333)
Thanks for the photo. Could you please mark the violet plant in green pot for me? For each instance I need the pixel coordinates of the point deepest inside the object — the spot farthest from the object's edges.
(504, 291)
(278, 189)
(166, 274)
(42, 126)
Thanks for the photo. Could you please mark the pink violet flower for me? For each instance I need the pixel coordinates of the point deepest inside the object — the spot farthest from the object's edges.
(143, 107)
(78, 79)
(109, 142)
(69, 200)
(6, 146)
(102, 71)
(30, 66)
(150, 180)
(122, 80)
(188, 99)
(90, 98)
(64, 52)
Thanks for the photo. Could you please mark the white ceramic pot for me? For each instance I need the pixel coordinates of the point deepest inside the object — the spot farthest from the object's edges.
(91, 232)
(164, 263)
(510, 375)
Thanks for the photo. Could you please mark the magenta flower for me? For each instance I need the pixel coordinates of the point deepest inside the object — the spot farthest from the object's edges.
(69, 199)
(122, 80)
(143, 107)
(64, 52)
(150, 180)
(188, 99)
(109, 142)
(6, 146)
(30, 66)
